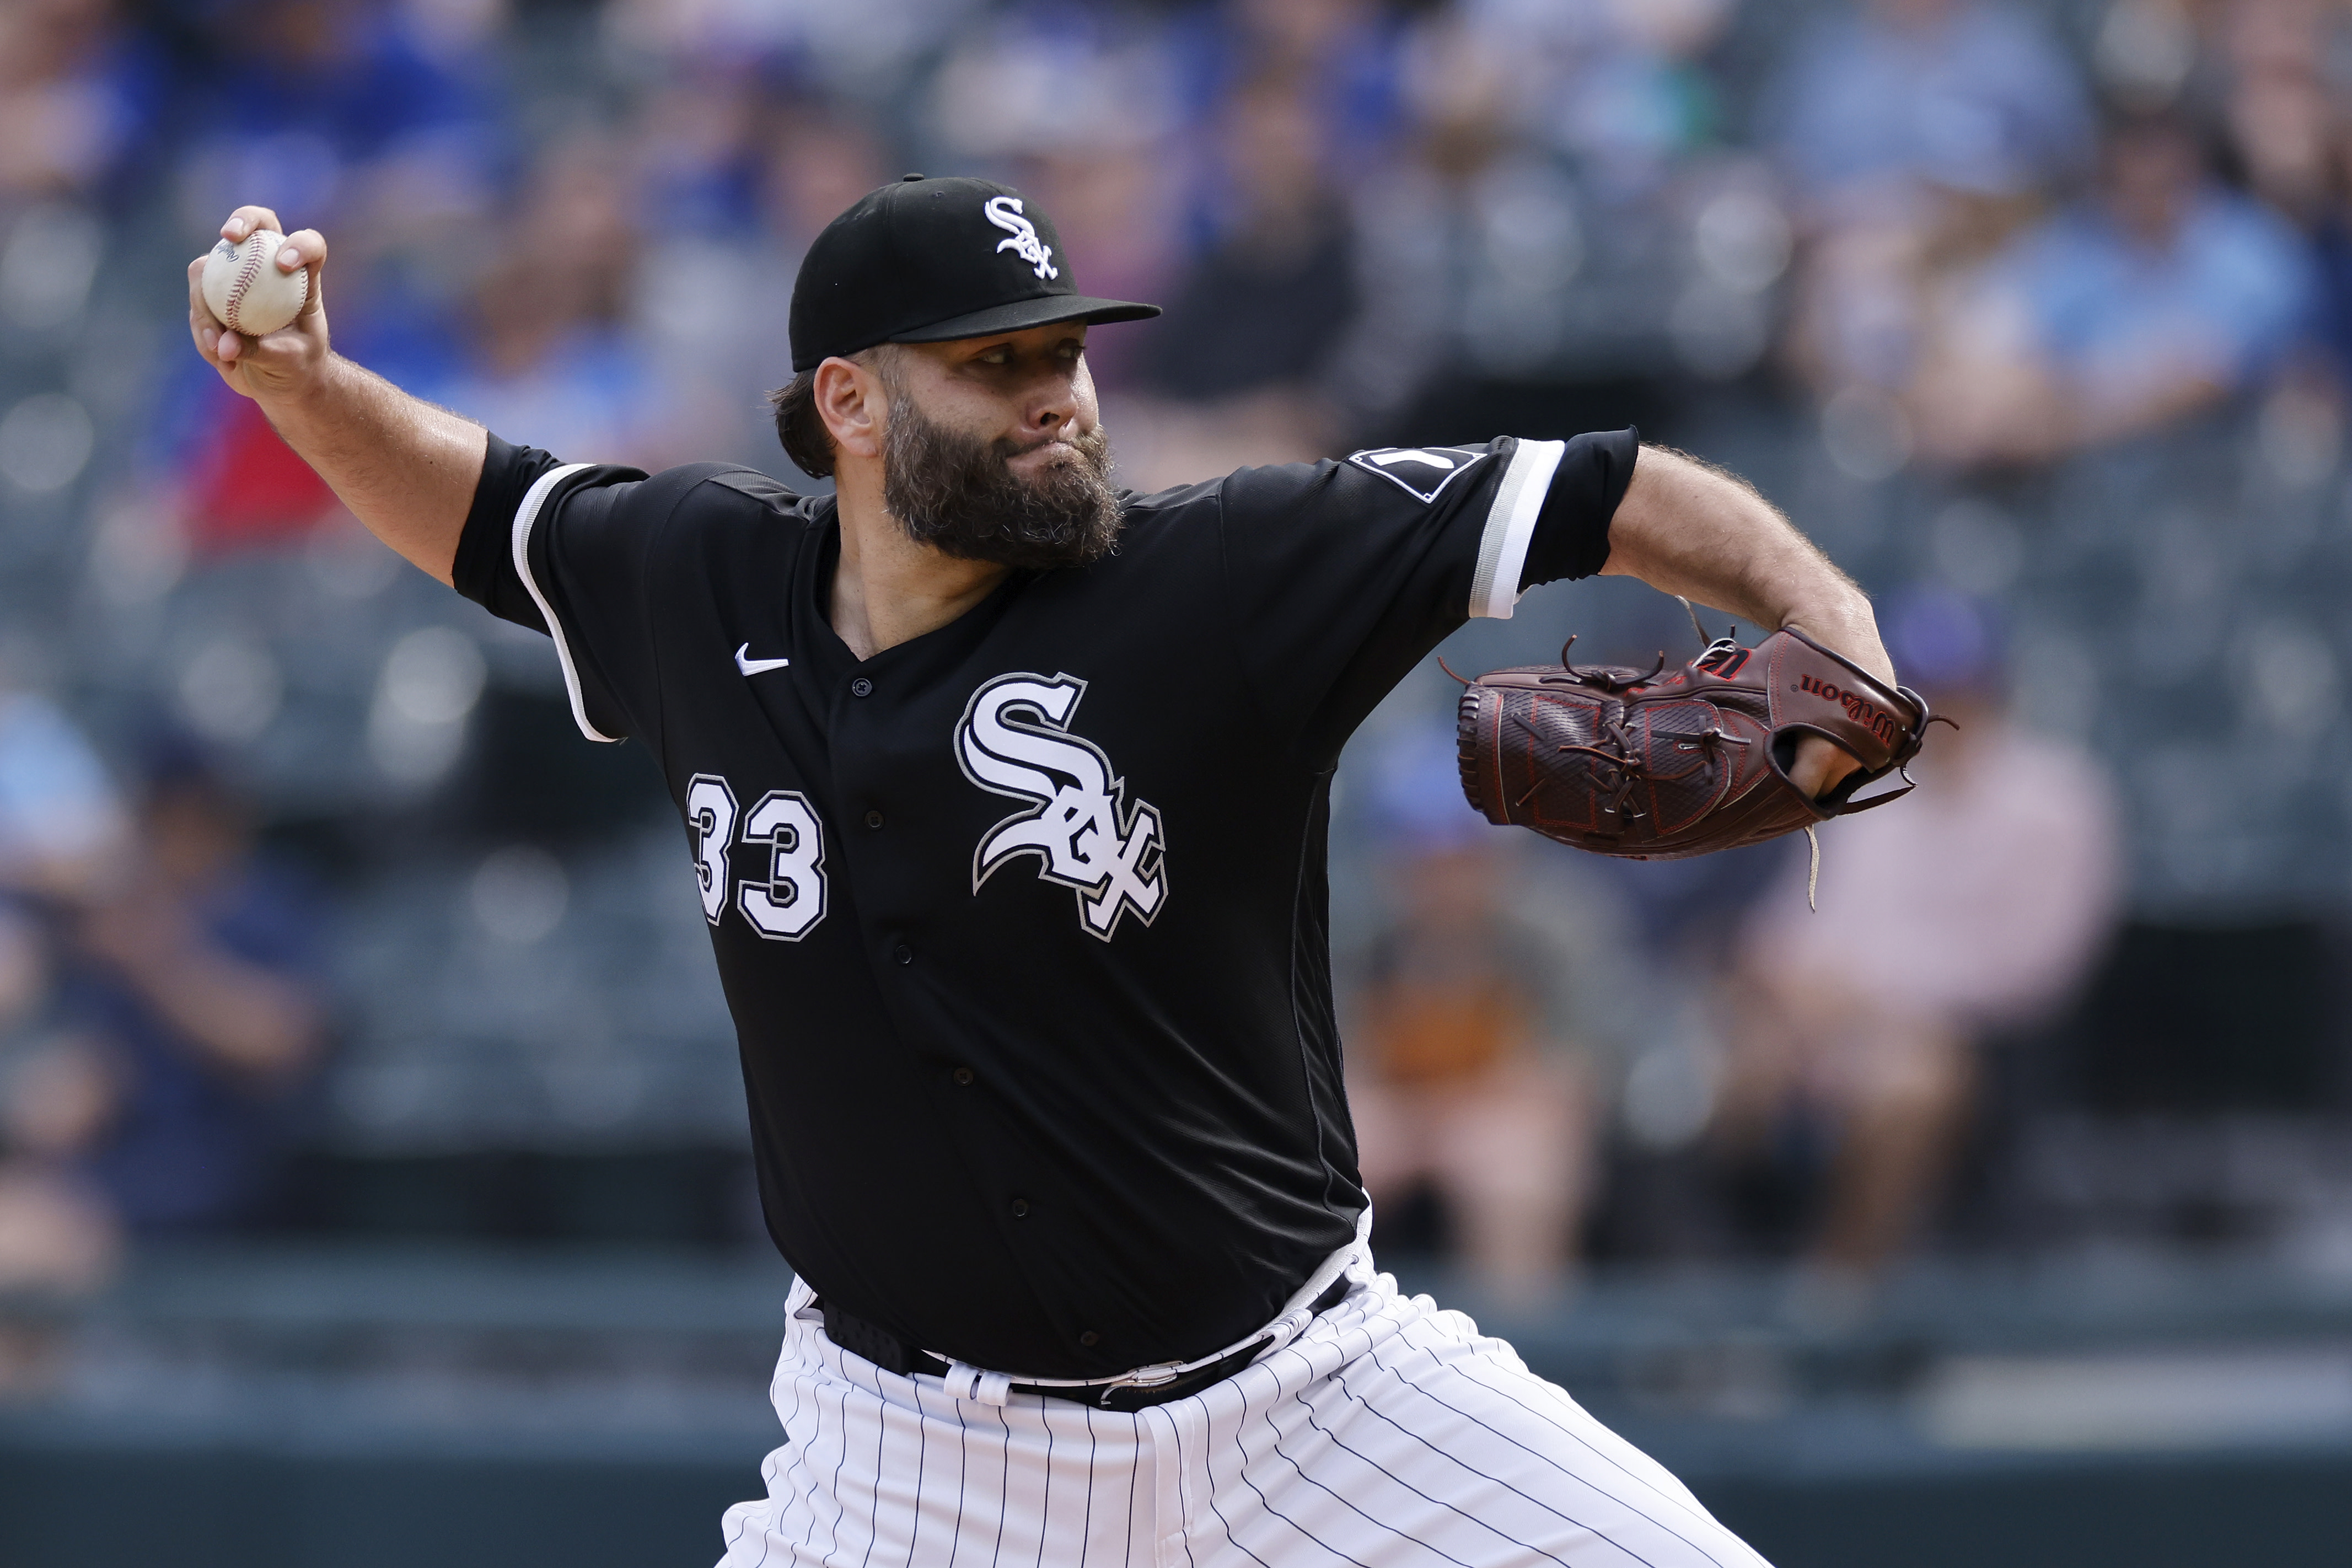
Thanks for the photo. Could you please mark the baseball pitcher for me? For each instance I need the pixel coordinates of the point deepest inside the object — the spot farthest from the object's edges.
(1005, 791)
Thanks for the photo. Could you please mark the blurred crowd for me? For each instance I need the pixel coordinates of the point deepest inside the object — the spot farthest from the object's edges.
(2037, 316)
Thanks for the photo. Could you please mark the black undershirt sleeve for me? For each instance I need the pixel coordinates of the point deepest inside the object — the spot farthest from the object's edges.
(1572, 532)
(484, 571)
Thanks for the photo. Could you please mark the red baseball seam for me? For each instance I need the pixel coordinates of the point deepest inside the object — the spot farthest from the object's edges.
(245, 276)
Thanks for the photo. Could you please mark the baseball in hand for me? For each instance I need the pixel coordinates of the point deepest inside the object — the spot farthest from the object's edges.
(246, 291)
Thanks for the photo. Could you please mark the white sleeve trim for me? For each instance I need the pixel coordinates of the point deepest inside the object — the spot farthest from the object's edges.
(1511, 528)
(525, 516)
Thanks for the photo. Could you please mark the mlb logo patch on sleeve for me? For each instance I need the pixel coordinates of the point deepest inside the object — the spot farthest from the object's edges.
(1421, 472)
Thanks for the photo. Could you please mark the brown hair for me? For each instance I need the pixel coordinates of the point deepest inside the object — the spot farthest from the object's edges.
(801, 427)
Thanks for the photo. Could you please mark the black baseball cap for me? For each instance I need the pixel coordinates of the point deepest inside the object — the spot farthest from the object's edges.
(922, 261)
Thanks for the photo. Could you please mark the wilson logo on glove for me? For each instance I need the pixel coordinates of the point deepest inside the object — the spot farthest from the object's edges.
(1862, 712)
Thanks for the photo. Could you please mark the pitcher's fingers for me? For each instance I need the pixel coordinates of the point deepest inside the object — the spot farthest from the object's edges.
(245, 220)
(202, 326)
(215, 341)
(305, 247)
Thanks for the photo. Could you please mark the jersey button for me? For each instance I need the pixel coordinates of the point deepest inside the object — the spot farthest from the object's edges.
(861, 687)
(903, 954)
(873, 819)
(1090, 1339)
(962, 1075)
(1020, 1209)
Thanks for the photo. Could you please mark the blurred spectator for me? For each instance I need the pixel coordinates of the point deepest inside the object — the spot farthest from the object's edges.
(1877, 100)
(61, 822)
(56, 1231)
(1341, 58)
(2159, 295)
(78, 92)
(861, 50)
(193, 986)
(718, 303)
(1057, 80)
(1261, 307)
(1116, 212)
(1254, 322)
(2277, 116)
(550, 358)
(1537, 228)
(1888, 295)
(1612, 85)
(348, 117)
(241, 485)
(697, 143)
(1464, 1074)
(821, 160)
(341, 115)
(1915, 134)
(2284, 130)
(1975, 905)
(1432, 261)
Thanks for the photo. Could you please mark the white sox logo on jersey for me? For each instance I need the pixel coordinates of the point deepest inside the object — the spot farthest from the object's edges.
(1013, 740)
(1004, 212)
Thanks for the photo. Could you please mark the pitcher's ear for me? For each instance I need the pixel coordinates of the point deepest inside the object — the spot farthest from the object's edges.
(852, 403)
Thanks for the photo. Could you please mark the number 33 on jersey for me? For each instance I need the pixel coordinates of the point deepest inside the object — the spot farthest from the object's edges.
(1012, 740)
(782, 891)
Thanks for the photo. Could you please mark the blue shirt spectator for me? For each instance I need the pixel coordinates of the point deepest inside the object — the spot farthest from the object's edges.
(59, 813)
(315, 90)
(2218, 301)
(2145, 304)
(1976, 97)
(198, 984)
(196, 1143)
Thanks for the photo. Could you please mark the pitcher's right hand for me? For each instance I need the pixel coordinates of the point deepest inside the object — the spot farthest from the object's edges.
(275, 364)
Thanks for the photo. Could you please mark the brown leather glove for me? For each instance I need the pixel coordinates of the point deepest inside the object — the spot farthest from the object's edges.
(1657, 767)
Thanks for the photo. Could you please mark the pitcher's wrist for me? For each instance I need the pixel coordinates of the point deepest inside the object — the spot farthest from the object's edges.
(323, 388)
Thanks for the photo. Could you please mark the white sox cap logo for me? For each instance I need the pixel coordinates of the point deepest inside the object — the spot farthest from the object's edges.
(1004, 212)
(1075, 828)
(1419, 471)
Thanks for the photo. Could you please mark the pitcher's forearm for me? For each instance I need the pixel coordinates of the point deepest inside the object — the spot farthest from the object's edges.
(406, 468)
(1687, 529)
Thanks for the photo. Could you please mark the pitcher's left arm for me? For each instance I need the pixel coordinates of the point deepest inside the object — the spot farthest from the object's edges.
(1687, 527)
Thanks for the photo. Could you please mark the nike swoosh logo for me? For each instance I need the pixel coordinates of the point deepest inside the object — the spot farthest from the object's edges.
(756, 665)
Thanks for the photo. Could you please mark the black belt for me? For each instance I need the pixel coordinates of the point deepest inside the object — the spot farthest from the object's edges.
(891, 1353)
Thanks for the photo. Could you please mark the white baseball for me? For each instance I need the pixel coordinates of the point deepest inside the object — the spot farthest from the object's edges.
(246, 292)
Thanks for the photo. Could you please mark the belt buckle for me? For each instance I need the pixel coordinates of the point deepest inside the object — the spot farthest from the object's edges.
(1155, 1376)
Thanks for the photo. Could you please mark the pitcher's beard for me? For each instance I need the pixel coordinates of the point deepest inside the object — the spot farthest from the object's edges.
(957, 494)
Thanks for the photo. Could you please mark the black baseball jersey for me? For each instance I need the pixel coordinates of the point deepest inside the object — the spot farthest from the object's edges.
(1022, 921)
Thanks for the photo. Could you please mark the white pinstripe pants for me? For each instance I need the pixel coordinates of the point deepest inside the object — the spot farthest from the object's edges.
(1391, 1434)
